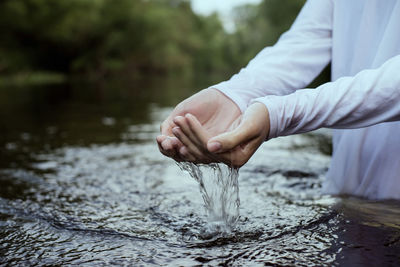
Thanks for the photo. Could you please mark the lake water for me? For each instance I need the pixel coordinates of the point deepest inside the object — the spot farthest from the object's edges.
(82, 183)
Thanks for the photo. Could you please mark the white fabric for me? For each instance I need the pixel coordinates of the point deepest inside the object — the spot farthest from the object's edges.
(362, 104)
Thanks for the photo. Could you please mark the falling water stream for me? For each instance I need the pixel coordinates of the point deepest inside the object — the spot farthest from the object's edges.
(82, 183)
(219, 189)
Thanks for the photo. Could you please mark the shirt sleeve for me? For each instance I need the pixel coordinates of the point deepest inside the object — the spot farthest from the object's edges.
(370, 97)
(292, 63)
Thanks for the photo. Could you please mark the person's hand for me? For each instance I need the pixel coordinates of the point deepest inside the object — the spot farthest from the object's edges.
(215, 111)
(234, 147)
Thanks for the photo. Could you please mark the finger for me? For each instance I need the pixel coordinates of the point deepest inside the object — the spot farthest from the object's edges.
(241, 150)
(242, 153)
(174, 155)
(198, 133)
(159, 140)
(197, 130)
(192, 148)
(180, 121)
(200, 136)
(186, 155)
(168, 146)
(166, 126)
(176, 143)
(185, 131)
(184, 125)
(228, 141)
(255, 123)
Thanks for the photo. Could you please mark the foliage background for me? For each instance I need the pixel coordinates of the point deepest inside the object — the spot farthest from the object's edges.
(100, 38)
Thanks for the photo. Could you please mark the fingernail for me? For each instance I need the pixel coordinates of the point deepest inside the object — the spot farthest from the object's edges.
(214, 146)
(176, 119)
(175, 131)
(174, 142)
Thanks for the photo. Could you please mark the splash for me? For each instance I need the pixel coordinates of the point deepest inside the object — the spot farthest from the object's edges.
(220, 191)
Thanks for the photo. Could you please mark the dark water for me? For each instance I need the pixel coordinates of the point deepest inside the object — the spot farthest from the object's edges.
(82, 183)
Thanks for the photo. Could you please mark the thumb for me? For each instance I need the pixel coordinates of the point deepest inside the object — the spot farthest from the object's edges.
(227, 141)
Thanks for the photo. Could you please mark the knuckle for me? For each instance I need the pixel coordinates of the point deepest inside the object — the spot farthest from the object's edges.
(180, 119)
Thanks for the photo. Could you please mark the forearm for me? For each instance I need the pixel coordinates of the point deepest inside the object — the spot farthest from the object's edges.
(292, 63)
(370, 97)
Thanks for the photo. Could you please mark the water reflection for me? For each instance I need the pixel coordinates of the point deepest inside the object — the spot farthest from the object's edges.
(369, 234)
(82, 183)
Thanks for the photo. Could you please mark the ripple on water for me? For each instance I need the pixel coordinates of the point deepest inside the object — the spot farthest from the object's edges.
(125, 204)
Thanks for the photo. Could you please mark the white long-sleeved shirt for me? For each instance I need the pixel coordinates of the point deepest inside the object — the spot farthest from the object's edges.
(362, 103)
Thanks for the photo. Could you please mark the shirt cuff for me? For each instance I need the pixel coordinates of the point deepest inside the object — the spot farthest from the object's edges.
(223, 87)
(272, 103)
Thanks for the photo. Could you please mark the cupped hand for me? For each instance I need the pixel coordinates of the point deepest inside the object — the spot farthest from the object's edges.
(213, 110)
(233, 147)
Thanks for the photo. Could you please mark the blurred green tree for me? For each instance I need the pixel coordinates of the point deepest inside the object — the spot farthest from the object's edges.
(99, 37)
(258, 26)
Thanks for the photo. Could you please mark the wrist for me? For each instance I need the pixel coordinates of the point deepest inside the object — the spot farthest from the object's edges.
(262, 119)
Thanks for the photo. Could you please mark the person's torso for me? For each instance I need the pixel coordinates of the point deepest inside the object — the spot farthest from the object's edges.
(366, 162)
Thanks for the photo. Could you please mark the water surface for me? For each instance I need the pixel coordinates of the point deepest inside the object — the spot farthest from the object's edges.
(82, 183)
